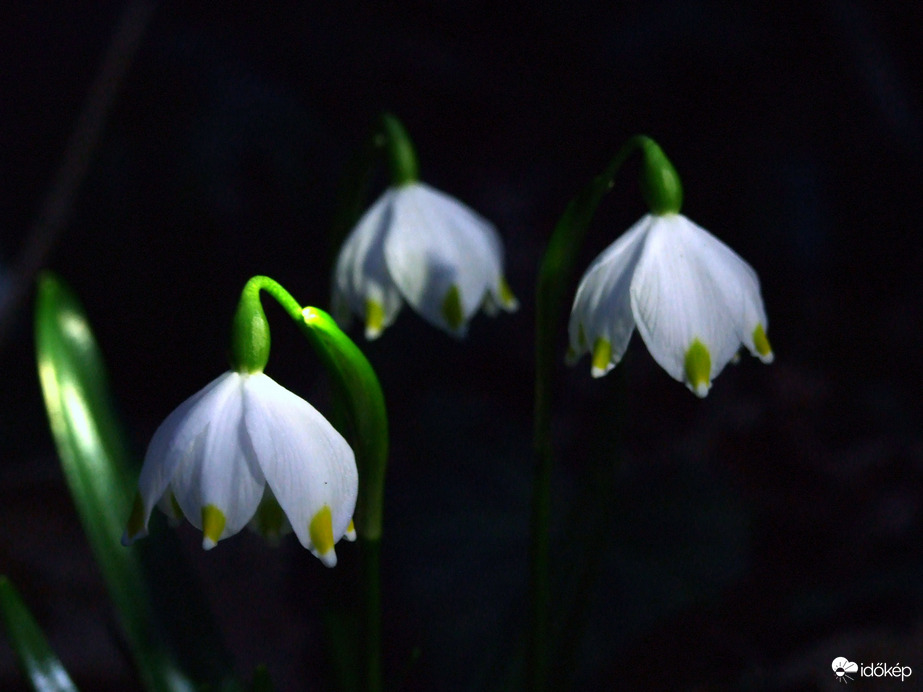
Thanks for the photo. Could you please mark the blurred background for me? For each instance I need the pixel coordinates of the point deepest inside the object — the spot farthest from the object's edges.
(738, 542)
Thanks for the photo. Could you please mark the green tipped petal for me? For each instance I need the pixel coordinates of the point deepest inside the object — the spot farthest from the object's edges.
(452, 311)
(761, 343)
(213, 521)
(602, 357)
(507, 299)
(698, 368)
(321, 532)
(374, 319)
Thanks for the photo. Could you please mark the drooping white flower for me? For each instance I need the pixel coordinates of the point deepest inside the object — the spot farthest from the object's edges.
(419, 245)
(240, 441)
(692, 298)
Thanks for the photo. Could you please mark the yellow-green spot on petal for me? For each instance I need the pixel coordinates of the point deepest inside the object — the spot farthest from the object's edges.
(602, 357)
(136, 519)
(213, 521)
(374, 318)
(506, 294)
(761, 343)
(321, 531)
(570, 357)
(698, 368)
(452, 311)
(350, 534)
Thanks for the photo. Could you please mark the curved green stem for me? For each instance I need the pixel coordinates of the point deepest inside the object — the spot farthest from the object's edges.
(358, 391)
(251, 295)
(663, 192)
(363, 420)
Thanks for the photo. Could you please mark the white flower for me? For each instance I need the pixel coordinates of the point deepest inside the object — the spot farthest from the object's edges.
(420, 245)
(241, 440)
(692, 298)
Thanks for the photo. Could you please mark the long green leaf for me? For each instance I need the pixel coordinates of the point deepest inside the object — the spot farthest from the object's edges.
(359, 390)
(97, 468)
(36, 658)
(360, 398)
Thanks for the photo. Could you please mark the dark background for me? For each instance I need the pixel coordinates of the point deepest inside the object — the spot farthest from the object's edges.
(743, 542)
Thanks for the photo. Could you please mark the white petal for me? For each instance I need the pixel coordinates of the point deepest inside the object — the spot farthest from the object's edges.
(306, 462)
(677, 297)
(739, 284)
(436, 243)
(361, 274)
(176, 438)
(222, 471)
(602, 308)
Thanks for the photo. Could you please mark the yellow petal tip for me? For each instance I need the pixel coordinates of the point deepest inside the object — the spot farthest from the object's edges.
(507, 299)
(698, 368)
(320, 531)
(213, 521)
(374, 319)
(602, 357)
(350, 534)
(761, 344)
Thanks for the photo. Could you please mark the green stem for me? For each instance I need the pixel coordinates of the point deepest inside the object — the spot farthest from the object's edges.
(363, 421)
(555, 274)
(371, 579)
(594, 506)
(251, 294)
(358, 395)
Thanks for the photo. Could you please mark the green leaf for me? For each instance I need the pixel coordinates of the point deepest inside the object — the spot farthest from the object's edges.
(149, 584)
(359, 393)
(36, 658)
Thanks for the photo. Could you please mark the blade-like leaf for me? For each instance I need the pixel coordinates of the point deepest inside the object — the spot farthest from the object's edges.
(36, 658)
(361, 405)
(100, 474)
(359, 390)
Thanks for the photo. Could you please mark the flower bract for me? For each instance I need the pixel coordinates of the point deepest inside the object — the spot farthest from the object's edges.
(245, 449)
(693, 300)
(419, 245)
